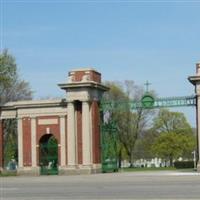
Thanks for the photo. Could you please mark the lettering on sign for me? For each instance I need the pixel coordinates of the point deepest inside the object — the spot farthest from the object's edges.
(47, 121)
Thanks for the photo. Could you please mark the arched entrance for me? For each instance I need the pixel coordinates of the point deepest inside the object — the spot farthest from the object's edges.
(48, 155)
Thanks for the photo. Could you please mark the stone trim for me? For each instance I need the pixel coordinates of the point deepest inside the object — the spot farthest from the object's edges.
(86, 133)
(84, 69)
(62, 141)
(71, 138)
(33, 142)
(47, 121)
(20, 142)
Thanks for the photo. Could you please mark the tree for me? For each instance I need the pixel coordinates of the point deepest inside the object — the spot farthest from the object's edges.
(171, 145)
(115, 96)
(176, 137)
(12, 88)
(144, 144)
(130, 124)
(167, 121)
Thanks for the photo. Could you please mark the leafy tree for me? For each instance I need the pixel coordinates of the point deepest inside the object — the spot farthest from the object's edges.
(12, 88)
(172, 145)
(115, 96)
(176, 137)
(136, 121)
(167, 121)
(144, 144)
(130, 124)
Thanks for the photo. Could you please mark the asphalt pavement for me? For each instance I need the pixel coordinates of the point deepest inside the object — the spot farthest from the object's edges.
(135, 185)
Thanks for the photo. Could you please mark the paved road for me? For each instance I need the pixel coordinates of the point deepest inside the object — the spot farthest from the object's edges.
(157, 185)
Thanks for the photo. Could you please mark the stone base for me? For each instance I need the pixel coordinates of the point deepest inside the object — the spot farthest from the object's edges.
(96, 168)
(80, 169)
(68, 171)
(85, 169)
(28, 171)
(198, 166)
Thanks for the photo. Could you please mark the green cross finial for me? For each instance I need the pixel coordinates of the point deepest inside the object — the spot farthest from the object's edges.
(147, 84)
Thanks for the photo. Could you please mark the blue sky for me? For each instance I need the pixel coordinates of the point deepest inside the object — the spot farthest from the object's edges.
(157, 41)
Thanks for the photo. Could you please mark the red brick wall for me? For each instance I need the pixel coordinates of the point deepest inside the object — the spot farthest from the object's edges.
(54, 130)
(79, 132)
(1, 143)
(96, 133)
(26, 130)
(94, 76)
(78, 75)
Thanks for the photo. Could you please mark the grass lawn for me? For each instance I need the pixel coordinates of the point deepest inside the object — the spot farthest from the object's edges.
(155, 169)
(8, 173)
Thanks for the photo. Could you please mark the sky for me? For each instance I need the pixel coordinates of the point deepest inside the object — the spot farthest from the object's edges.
(158, 41)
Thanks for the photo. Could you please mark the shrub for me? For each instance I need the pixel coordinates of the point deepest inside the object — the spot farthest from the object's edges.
(183, 164)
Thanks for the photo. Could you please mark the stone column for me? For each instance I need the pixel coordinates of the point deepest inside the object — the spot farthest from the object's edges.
(197, 87)
(195, 80)
(20, 142)
(62, 141)
(87, 160)
(198, 130)
(35, 170)
(71, 137)
(33, 142)
(1, 146)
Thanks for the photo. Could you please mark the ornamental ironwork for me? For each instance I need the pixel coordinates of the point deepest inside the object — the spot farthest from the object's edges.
(109, 126)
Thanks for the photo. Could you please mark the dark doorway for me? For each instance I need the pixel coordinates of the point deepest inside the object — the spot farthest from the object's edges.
(48, 155)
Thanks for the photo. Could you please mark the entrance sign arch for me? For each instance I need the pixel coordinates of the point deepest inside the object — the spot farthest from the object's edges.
(108, 126)
(75, 123)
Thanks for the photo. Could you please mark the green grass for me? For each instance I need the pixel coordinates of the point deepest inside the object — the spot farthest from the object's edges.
(8, 173)
(154, 169)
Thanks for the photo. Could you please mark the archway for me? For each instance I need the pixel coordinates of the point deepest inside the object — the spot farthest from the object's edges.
(48, 155)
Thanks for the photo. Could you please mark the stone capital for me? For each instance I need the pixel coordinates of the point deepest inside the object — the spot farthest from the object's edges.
(62, 116)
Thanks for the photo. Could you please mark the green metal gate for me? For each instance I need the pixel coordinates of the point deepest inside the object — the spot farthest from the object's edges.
(109, 126)
(49, 157)
(108, 140)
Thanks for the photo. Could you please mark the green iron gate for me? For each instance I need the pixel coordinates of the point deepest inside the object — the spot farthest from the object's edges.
(109, 157)
(109, 126)
(49, 157)
(108, 146)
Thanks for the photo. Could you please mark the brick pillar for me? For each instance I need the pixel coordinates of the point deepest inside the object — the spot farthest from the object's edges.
(1, 145)
(96, 133)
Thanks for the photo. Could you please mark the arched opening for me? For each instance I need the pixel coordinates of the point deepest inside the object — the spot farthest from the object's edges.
(48, 155)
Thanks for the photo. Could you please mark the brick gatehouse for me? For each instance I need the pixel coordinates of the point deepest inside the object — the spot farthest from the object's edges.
(72, 121)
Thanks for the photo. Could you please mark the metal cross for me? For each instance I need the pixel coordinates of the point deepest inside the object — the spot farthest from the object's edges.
(147, 84)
